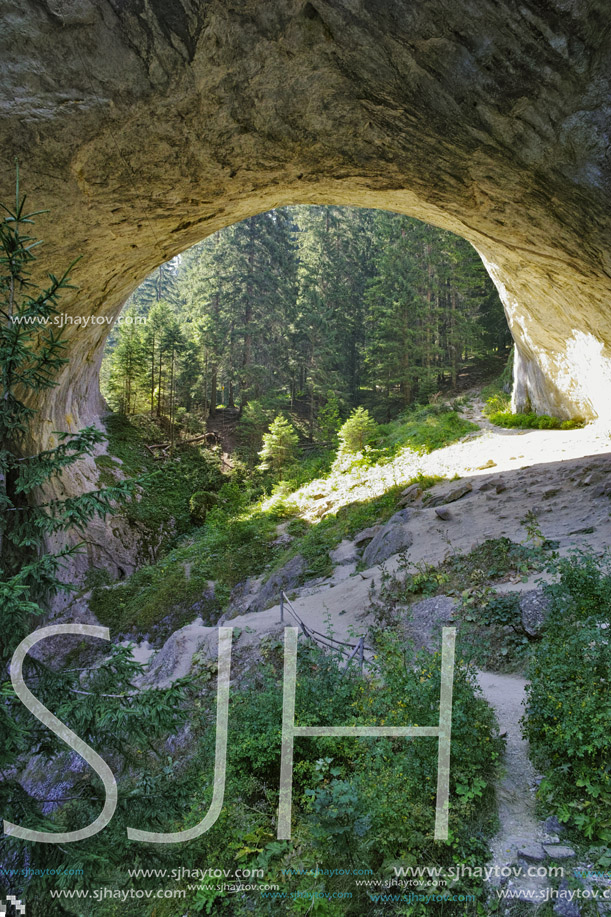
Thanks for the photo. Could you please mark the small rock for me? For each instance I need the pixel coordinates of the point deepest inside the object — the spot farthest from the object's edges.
(563, 907)
(533, 853)
(500, 488)
(451, 495)
(534, 607)
(282, 540)
(558, 852)
(551, 825)
(443, 513)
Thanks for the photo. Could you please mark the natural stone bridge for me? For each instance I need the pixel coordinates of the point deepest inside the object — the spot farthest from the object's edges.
(145, 125)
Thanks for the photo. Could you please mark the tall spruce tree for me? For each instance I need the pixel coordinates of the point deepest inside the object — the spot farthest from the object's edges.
(109, 714)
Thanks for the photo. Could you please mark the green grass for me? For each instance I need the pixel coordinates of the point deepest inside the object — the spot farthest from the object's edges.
(424, 429)
(491, 635)
(314, 541)
(230, 547)
(533, 421)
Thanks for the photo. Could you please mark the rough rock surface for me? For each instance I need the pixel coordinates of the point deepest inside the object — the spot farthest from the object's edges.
(145, 127)
(252, 596)
(175, 658)
(534, 606)
(344, 553)
(393, 538)
(450, 493)
(424, 620)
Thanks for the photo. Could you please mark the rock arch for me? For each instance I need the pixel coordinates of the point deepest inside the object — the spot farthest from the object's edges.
(145, 125)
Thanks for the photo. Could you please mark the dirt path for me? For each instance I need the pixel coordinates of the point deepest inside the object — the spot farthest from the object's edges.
(515, 790)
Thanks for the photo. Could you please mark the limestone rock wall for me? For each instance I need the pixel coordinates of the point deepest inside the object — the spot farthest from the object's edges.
(145, 125)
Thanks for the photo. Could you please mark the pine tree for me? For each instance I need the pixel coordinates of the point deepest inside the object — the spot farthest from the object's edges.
(31, 355)
(126, 383)
(278, 445)
(355, 433)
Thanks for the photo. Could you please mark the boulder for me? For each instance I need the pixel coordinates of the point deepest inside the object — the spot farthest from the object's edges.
(423, 621)
(449, 493)
(393, 538)
(175, 658)
(534, 607)
(367, 534)
(286, 578)
(344, 553)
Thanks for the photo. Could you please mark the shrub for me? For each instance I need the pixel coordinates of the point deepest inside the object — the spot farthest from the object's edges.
(569, 704)
(329, 417)
(200, 503)
(356, 432)
(366, 802)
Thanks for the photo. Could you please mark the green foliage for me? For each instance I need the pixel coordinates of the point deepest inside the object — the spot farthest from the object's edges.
(313, 309)
(278, 445)
(367, 803)
(255, 420)
(167, 594)
(330, 417)
(425, 429)
(356, 432)
(165, 514)
(533, 421)
(491, 633)
(497, 394)
(569, 705)
(200, 503)
(100, 705)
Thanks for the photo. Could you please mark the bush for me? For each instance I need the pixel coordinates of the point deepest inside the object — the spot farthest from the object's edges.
(357, 431)
(569, 703)
(367, 802)
(200, 503)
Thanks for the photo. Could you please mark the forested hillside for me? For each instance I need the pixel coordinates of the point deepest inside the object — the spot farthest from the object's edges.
(311, 309)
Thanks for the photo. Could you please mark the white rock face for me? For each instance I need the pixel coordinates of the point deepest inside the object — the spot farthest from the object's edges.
(175, 658)
(145, 127)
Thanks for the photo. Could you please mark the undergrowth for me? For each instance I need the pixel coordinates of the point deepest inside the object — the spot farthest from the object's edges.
(533, 421)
